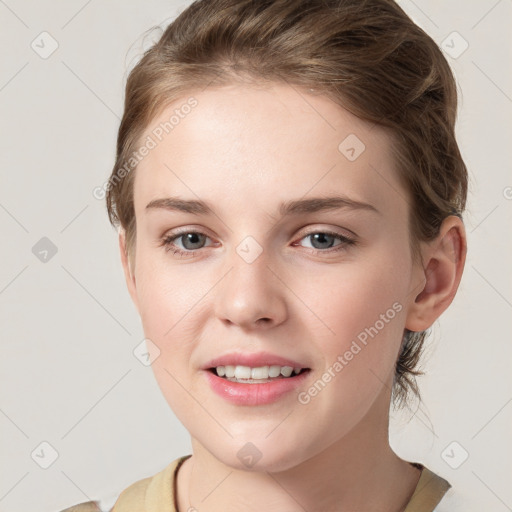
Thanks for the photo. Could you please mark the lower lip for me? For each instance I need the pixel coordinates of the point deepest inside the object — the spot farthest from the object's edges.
(254, 394)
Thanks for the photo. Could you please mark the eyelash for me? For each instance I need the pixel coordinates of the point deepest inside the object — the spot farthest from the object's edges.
(167, 243)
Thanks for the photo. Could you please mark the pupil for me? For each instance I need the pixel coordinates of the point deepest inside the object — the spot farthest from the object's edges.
(193, 238)
(322, 237)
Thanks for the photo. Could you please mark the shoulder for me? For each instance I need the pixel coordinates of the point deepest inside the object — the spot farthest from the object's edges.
(104, 505)
(136, 497)
(88, 506)
(456, 501)
(447, 503)
(430, 490)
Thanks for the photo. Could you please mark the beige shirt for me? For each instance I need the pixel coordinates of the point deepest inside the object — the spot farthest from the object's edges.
(154, 494)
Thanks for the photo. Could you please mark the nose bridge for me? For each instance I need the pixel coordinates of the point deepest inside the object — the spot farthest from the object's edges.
(250, 291)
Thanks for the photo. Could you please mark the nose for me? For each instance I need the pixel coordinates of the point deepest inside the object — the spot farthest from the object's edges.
(251, 296)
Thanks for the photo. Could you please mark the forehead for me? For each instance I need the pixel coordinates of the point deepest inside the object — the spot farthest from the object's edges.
(243, 145)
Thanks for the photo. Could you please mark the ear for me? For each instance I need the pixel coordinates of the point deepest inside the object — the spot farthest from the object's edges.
(129, 274)
(441, 272)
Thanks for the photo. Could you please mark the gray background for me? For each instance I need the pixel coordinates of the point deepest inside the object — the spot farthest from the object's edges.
(68, 329)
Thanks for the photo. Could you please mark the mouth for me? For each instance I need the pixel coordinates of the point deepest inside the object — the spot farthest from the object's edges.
(256, 375)
(255, 379)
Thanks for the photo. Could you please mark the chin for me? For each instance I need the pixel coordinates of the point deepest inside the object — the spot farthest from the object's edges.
(259, 455)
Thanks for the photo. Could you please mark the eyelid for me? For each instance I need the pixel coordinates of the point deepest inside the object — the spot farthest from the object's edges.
(343, 232)
(188, 229)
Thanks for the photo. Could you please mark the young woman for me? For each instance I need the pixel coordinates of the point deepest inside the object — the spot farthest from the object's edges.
(289, 193)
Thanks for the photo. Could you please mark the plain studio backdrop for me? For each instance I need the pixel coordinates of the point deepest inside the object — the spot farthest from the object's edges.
(80, 416)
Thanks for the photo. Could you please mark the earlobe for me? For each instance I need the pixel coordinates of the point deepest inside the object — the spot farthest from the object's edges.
(443, 261)
(129, 274)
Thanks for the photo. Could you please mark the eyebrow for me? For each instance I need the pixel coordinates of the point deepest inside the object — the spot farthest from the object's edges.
(287, 208)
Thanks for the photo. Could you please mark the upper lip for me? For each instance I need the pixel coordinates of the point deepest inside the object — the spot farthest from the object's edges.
(254, 360)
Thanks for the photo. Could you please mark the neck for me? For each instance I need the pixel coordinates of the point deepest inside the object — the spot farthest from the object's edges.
(358, 472)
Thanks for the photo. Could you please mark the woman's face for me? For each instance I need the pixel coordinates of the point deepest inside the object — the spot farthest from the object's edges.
(295, 252)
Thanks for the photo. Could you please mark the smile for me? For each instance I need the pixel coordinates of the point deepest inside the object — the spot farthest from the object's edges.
(262, 390)
(257, 375)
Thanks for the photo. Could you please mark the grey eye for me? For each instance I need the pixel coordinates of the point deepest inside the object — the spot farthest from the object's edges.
(321, 240)
(191, 241)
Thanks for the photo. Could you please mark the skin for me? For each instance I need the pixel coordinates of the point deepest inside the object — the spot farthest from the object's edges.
(245, 150)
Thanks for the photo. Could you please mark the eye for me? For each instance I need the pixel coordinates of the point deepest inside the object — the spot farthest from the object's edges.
(188, 243)
(322, 241)
(192, 240)
(185, 243)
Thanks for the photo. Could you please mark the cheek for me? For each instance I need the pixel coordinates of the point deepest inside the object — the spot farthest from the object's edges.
(170, 305)
(362, 311)
(166, 296)
(175, 308)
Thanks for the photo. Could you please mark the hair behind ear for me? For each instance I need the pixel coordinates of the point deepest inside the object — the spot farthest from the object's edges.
(128, 268)
(405, 370)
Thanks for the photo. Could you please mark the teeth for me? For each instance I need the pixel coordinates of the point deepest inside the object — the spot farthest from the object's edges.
(242, 372)
(274, 371)
(286, 371)
(259, 373)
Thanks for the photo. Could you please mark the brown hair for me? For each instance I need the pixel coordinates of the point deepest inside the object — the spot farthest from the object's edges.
(366, 55)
